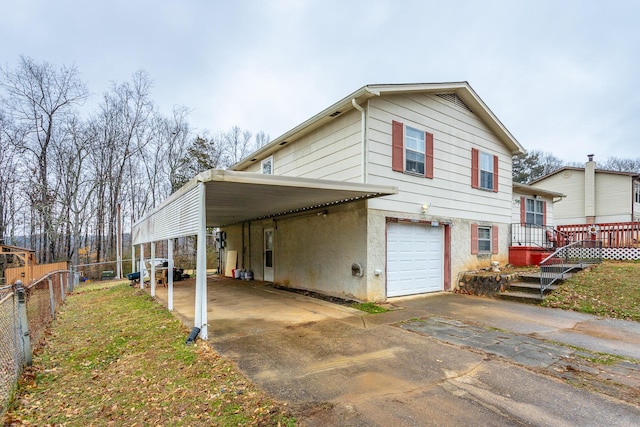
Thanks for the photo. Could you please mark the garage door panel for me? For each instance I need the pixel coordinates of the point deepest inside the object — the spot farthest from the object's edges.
(414, 259)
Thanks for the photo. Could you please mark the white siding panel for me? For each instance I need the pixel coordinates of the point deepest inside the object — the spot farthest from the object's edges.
(613, 196)
(455, 133)
(333, 150)
(177, 219)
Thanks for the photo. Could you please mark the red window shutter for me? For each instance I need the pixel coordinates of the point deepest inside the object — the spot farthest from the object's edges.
(544, 214)
(495, 174)
(474, 239)
(397, 150)
(494, 239)
(475, 167)
(523, 210)
(428, 155)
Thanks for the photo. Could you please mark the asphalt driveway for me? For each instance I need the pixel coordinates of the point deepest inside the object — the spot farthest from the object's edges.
(442, 359)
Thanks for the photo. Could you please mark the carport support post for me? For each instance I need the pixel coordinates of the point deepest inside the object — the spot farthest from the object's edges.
(152, 274)
(170, 275)
(141, 270)
(201, 266)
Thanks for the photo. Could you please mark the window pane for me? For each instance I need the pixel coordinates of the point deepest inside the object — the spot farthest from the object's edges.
(266, 167)
(414, 162)
(484, 239)
(414, 140)
(486, 180)
(486, 162)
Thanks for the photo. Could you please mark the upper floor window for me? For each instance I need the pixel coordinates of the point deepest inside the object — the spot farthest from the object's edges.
(484, 170)
(637, 192)
(266, 166)
(412, 150)
(534, 210)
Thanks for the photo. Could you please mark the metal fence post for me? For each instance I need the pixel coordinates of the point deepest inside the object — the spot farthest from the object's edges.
(61, 286)
(23, 323)
(52, 299)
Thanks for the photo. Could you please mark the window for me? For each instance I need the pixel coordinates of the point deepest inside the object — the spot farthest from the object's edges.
(412, 150)
(267, 166)
(637, 193)
(484, 239)
(534, 211)
(484, 170)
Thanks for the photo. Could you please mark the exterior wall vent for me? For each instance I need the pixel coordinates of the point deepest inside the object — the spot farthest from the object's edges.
(335, 113)
(455, 100)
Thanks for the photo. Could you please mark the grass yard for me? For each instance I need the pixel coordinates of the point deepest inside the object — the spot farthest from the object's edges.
(115, 357)
(610, 289)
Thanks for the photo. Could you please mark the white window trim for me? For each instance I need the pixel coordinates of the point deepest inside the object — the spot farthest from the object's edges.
(536, 214)
(490, 239)
(262, 163)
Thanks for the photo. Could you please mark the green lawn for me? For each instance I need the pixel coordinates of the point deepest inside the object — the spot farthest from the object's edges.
(610, 289)
(115, 357)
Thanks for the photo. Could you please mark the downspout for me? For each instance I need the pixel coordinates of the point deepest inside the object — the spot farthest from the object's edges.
(363, 168)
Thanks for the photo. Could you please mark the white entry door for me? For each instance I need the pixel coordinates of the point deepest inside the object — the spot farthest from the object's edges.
(268, 255)
(415, 259)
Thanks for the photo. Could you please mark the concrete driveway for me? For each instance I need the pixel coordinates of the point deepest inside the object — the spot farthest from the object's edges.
(442, 359)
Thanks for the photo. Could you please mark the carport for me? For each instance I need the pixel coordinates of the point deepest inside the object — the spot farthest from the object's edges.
(218, 198)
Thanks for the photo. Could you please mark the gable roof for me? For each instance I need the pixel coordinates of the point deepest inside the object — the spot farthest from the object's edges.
(462, 89)
(632, 175)
(532, 191)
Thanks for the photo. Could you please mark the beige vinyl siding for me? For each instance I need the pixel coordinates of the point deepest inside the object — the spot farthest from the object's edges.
(456, 132)
(569, 210)
(332, 152)
(613, 197)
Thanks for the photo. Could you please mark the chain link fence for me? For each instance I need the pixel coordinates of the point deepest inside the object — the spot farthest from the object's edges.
(25, 314)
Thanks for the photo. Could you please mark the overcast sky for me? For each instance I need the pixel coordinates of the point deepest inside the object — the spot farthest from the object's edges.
(560, 75)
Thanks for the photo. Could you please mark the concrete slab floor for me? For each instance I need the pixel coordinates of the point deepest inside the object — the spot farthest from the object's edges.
(337, 366)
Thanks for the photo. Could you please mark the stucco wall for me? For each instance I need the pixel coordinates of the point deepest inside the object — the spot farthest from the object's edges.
(312, 251)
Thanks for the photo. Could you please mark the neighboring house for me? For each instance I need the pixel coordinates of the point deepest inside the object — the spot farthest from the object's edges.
(593, 196)
(449, 157)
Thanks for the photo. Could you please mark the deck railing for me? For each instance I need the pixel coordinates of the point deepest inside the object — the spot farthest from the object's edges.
(612, 235)
(567, 258)
(541, 236)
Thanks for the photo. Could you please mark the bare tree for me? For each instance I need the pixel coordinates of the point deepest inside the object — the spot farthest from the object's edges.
(122, 127)
(8, 181)
(237, 145)
(262, 139)
(39, 97)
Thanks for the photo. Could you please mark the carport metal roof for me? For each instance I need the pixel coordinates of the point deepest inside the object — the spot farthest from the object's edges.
(230, 197)
(221, 197)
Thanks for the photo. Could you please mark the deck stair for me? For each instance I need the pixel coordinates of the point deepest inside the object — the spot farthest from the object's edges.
(527, 287)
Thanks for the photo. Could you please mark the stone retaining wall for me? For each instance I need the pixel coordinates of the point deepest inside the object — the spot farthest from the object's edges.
(485, 283)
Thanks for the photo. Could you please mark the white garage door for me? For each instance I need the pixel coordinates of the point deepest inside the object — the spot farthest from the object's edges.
(414, 259)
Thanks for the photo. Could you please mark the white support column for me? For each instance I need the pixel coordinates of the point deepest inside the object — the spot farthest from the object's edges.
(133, 258)
(141, 270)
(170, 275)
(201, 266)
(152, 273)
